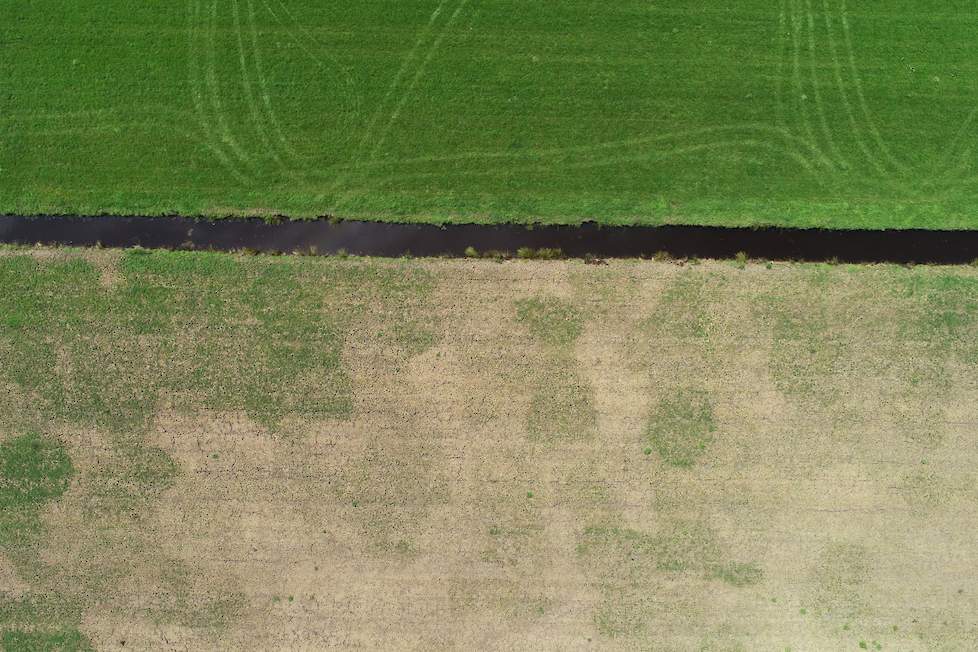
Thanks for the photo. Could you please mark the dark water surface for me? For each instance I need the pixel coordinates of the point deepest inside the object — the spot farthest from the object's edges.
(380, 239)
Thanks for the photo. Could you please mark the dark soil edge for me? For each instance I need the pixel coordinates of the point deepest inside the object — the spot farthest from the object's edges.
(327, 237)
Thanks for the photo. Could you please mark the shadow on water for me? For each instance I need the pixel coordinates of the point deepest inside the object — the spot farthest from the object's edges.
(380, 239)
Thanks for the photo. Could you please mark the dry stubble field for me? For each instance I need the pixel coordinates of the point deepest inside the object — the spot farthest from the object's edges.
(293, 453)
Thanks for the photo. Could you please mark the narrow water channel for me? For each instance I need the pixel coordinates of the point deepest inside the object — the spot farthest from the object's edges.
(326, 237)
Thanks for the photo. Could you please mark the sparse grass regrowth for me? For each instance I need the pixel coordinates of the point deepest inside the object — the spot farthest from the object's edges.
(681, 427)
(550, 320)
(229, 451)
(561, 408)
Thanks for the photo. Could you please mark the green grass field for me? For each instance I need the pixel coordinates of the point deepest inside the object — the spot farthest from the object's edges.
(798, 112)
(227, 452)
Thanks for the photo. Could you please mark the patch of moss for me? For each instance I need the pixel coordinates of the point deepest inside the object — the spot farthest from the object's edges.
(392, 487)
(681, 427)
(40, 621)
(511, 545)
(944, 310)
(805, 350)
(925, 491)
(680, 546)
(622, 617)
(133, 473)
(149, 469)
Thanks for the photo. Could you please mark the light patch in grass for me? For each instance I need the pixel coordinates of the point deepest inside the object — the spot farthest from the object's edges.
(32, 470)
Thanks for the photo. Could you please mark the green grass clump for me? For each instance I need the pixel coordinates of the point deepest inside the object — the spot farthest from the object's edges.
(941, 313)
(71, 640)
(32, 471)
(680, 428)
(544, 253)
(552, 320)
(738, 574)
